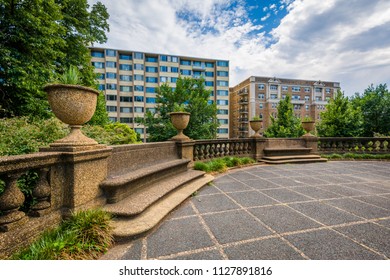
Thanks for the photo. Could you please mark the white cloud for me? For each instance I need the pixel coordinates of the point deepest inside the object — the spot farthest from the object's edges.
(272, 7)
(264, 18)
(336, 40)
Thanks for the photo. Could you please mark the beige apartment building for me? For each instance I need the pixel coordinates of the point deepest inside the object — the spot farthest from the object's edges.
(259, 96)
(129, 80)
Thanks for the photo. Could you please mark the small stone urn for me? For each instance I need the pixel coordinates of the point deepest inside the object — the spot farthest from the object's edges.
(180, 121)
(308, 126)
(73, 105)
(256, 126)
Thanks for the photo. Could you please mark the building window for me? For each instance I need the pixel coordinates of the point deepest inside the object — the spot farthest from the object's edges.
(152, 110)
(261, 105)
(112, 119)
(138, 77)
(211, 93)
(261, 86)
(273, 96)
(327, 90)
(222, 102)
(163, 68)
(138, 109)
(138, 66)
(197, 63)
(151, 80)
(163, 58)
(126, 88)
(139, 130)
(99, 65)
(101, 87)
(296, 97)
(223, 112)
(185, 62)
(125, 56)
(317, 89)
(185, 72)
(209, 65)
(111, 86)
(297, 107)
(110, 97)
(273, 87)
(110, 53)
(307, 97)
(151, 59)
(175, 69)
(125, 78)
(223, 131)
(274, 105)
(222, 92)
(197, 74)
(150, 100)
(125, 67)
(318, 98)
(209, 83)
(138, 98)
(296, 89)
(174, 59)
(260, 96)
(126, 120)
(126, 99)
(307, 89)
(285, 88)
(100, 76)
(126, 109)
(138, 55)
(210, 102)
(97, 54)
(223, 121)
(110, 64)
(111, 108)
(209, 74)
(223, 83)
(222, 63)
(163, 79)
(150, 90)
(111, 75)
(151, 69)
(138, 88)
(307, 107)
(173, 80)
(223, 73)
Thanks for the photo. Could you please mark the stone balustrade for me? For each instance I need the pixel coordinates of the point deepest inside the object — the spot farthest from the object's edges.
(209, 149)
(342, 145)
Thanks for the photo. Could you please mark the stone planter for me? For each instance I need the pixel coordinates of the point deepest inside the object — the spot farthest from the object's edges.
(180, 121)
(308, 126)
(256, 126)
(73, 105)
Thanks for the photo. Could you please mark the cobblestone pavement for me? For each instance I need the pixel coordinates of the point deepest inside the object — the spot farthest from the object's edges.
(334, 210)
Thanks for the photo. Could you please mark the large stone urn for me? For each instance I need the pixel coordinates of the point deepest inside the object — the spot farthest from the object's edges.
(73, 105)
(308, 126)
(256, 126)
(180, 121)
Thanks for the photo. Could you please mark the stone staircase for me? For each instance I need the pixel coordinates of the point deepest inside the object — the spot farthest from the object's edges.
(282, 155)
(140, 197)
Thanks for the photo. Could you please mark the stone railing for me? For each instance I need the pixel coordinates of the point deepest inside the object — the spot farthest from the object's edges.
(342, 145)
(209, 149)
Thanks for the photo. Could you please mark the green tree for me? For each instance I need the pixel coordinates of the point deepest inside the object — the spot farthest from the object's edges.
(192, 93)
(375, 107)
(286, 124)
(340, 119)
(39, 39)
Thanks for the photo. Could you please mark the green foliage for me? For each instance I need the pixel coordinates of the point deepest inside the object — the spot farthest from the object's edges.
(222, 164)
(256, 118)
(307, 119)
(39, 39)
(190, 92)
(358, 156)
(23, 135)
(286, 124)
(71, 76)
(85, 235)
(179, 108)
(100, 117)
(340, 118)
(111, 134)
(374, 105)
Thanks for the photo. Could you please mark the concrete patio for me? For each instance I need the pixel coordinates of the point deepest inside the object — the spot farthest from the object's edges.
(334, 210)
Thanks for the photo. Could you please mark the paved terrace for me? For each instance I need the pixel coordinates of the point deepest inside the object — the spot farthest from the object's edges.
(334, 210)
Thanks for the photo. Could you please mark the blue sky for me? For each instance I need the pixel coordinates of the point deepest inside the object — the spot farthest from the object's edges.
(332, 40)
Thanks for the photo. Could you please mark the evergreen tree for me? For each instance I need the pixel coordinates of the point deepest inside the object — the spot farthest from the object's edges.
(286, 124)
(340, 118)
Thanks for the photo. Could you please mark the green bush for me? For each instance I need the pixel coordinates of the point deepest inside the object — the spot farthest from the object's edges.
(247, 160)
(201, 166)
(217, 165)
(357, 156)
(111, 134)
(221, 164)
(85, 235)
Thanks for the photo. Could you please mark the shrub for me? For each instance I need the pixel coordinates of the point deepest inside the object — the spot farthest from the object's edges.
(221, 164)
(85, 235)
(201, 166)
(111, 134)
(218, 165)
(247, 160)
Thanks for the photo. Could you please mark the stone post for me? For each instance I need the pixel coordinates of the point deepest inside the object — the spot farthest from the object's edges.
(259, 143)
(311, 142)
(186, 150)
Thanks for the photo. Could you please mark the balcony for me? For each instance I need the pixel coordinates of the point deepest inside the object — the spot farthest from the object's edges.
(201, 67)
(243, 101)
(245, 120)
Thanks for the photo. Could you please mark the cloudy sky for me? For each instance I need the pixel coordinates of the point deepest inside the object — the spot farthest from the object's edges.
(329, 40)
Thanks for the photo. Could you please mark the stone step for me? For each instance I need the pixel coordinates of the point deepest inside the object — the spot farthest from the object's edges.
(138, 201)
(128, 227)
(119, 187)
(294, 160)
(310, 156)
(287, 151)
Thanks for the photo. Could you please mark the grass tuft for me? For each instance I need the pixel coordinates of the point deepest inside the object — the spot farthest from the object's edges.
(222, 164)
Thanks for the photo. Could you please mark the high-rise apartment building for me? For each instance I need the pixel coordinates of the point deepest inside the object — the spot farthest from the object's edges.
(259, 96)
(129, 80)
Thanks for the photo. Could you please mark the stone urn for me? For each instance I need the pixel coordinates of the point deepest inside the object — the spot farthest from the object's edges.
(73, 105)
(256, 126)
(308, 126)
(180, 121)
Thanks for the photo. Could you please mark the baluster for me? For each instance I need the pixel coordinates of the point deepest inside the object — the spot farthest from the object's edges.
(384, 146)
(10, 202)
(196, 153)
(227, 149)
(222, 149)
(360, 147)
(42, 193)
(201, 152)
(346, 146)
(217, 152)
